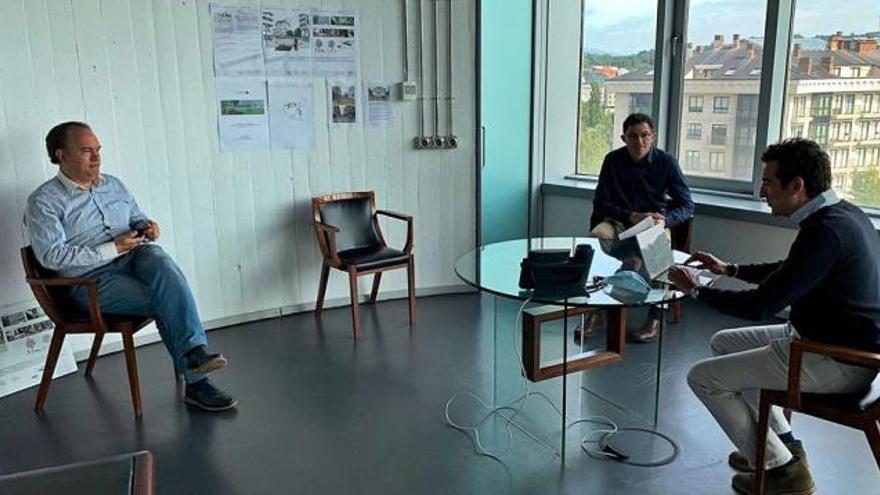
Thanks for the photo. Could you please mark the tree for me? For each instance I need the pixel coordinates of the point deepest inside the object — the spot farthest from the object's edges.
(866, 188)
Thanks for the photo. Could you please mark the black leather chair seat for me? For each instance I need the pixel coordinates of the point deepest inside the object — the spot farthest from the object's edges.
(368, 258)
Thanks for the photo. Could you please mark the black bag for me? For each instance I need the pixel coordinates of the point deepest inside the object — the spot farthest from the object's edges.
(553, 268)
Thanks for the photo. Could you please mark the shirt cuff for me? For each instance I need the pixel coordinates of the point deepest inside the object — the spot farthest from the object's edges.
(108, 251)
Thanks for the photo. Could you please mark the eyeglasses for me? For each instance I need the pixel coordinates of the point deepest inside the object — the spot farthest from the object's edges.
(645, 136)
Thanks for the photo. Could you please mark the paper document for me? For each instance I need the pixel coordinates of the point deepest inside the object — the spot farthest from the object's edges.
(237, 34)
(645, 224)
(291, 115)
(242, 120)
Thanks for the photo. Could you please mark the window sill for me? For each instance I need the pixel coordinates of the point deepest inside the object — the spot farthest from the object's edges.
(712, 203)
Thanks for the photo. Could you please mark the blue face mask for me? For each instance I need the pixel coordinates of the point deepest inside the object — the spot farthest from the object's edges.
(628, 287)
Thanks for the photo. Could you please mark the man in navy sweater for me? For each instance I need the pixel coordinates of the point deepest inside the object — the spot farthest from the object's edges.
(634, 183)
(831, 281)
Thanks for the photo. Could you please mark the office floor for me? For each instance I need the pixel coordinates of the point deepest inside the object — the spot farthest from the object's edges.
(321, 414)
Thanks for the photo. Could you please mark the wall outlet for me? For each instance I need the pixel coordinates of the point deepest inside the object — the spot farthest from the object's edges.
(451, 141)
(409, 90)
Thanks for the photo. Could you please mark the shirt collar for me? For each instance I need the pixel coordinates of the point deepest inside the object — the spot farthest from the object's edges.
(70, 185)
(827, 198)
(649, 158)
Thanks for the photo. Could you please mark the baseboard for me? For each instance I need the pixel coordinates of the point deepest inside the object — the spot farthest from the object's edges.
(149, 338)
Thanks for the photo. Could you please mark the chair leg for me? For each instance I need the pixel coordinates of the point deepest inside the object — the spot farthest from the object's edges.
(322, 288)
(411, 288)
(49, 368)
(355, 308)
(873, 434)
(761, 446)
(676, 312)
(131, 365)
(377, 278)
(93, 355)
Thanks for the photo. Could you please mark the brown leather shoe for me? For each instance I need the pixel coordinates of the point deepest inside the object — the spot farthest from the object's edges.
(794, 479)
(648, 333)
(594, 322)
(740, 463)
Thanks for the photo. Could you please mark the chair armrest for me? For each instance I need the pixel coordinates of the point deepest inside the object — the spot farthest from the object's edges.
(407, 247)
(327, 242)
(846, 354)
(91, 286)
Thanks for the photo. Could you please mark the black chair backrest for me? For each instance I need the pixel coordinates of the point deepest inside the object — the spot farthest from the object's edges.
(354, 219)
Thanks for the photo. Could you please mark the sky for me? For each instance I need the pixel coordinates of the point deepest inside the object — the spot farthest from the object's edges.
(627, 26)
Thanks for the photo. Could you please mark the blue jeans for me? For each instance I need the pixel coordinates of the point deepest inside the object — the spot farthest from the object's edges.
(147, 282)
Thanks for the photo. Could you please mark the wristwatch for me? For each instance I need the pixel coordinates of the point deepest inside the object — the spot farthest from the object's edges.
(694, 292)
(731, 270)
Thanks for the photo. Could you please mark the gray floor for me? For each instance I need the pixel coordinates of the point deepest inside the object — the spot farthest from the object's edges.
(320, 413)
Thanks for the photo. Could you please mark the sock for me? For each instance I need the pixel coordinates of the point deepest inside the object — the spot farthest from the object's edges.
(787, 437)
(193, 350)
(793, 460)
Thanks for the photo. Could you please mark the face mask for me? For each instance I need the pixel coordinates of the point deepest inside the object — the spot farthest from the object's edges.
(628, 287)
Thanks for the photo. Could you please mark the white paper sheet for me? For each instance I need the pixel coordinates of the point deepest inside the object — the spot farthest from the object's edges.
(25, 334)
(343, 103)
(291, 114)
(287, 47)
(237, 47)
(380, 105)
(242, 119)
(334, 43)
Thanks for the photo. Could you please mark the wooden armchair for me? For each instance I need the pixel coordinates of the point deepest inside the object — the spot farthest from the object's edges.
(861, 410)
(51, 292)
(349, 237)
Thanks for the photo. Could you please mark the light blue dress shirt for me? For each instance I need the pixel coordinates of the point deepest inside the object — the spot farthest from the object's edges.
(72, 228)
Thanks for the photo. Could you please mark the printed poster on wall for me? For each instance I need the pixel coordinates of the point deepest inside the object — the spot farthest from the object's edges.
(343, 103)
(25, 334)
(242, 119)
(291, 114)
(380, 107)
(287, 42)
(334, 43)
(237, 47)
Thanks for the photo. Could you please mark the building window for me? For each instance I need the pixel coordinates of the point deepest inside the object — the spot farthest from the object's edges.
(721, 104)
(716, 162)
(695, 103)
(871, 103)
(839, 158)
(843, 104)
(695, 130)
(719, 134)
(841, 131)
(692, 160)
(821, 105)
(800, 106)
(819, 133)
(797, 130)
(838, 183)
(867, 157)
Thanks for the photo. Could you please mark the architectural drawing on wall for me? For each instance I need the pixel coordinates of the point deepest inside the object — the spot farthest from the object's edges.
(334, 43)
(25, 334)
(237, 47)
(287, 42)
(242, 120)
(342, 99)
(380, 106)
(291, 115)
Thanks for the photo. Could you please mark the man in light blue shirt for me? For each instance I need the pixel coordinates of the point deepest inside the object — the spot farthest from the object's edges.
(85, 223)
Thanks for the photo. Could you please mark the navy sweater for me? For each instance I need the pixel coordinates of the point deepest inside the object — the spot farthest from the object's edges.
(625, 187)
(831, 280)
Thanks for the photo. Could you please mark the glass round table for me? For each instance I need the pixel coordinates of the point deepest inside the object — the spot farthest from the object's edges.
(534, 349)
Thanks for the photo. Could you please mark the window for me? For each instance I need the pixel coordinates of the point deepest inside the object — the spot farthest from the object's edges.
(695, 130)
(871, 103)
(827, 82)
(840, 132)
(843, 104)
(797, 130)
(716, 162)
(839, 158)
(819, 132)
(800, 105)
(695, 103)
(722, 104)
(692, 160)
(719, 134)
(821, 105)
(602, 106)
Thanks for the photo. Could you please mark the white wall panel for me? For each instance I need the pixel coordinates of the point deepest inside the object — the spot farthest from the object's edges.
(141, 73)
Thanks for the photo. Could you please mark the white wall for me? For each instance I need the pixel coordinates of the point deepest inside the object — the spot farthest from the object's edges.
(238, 223)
